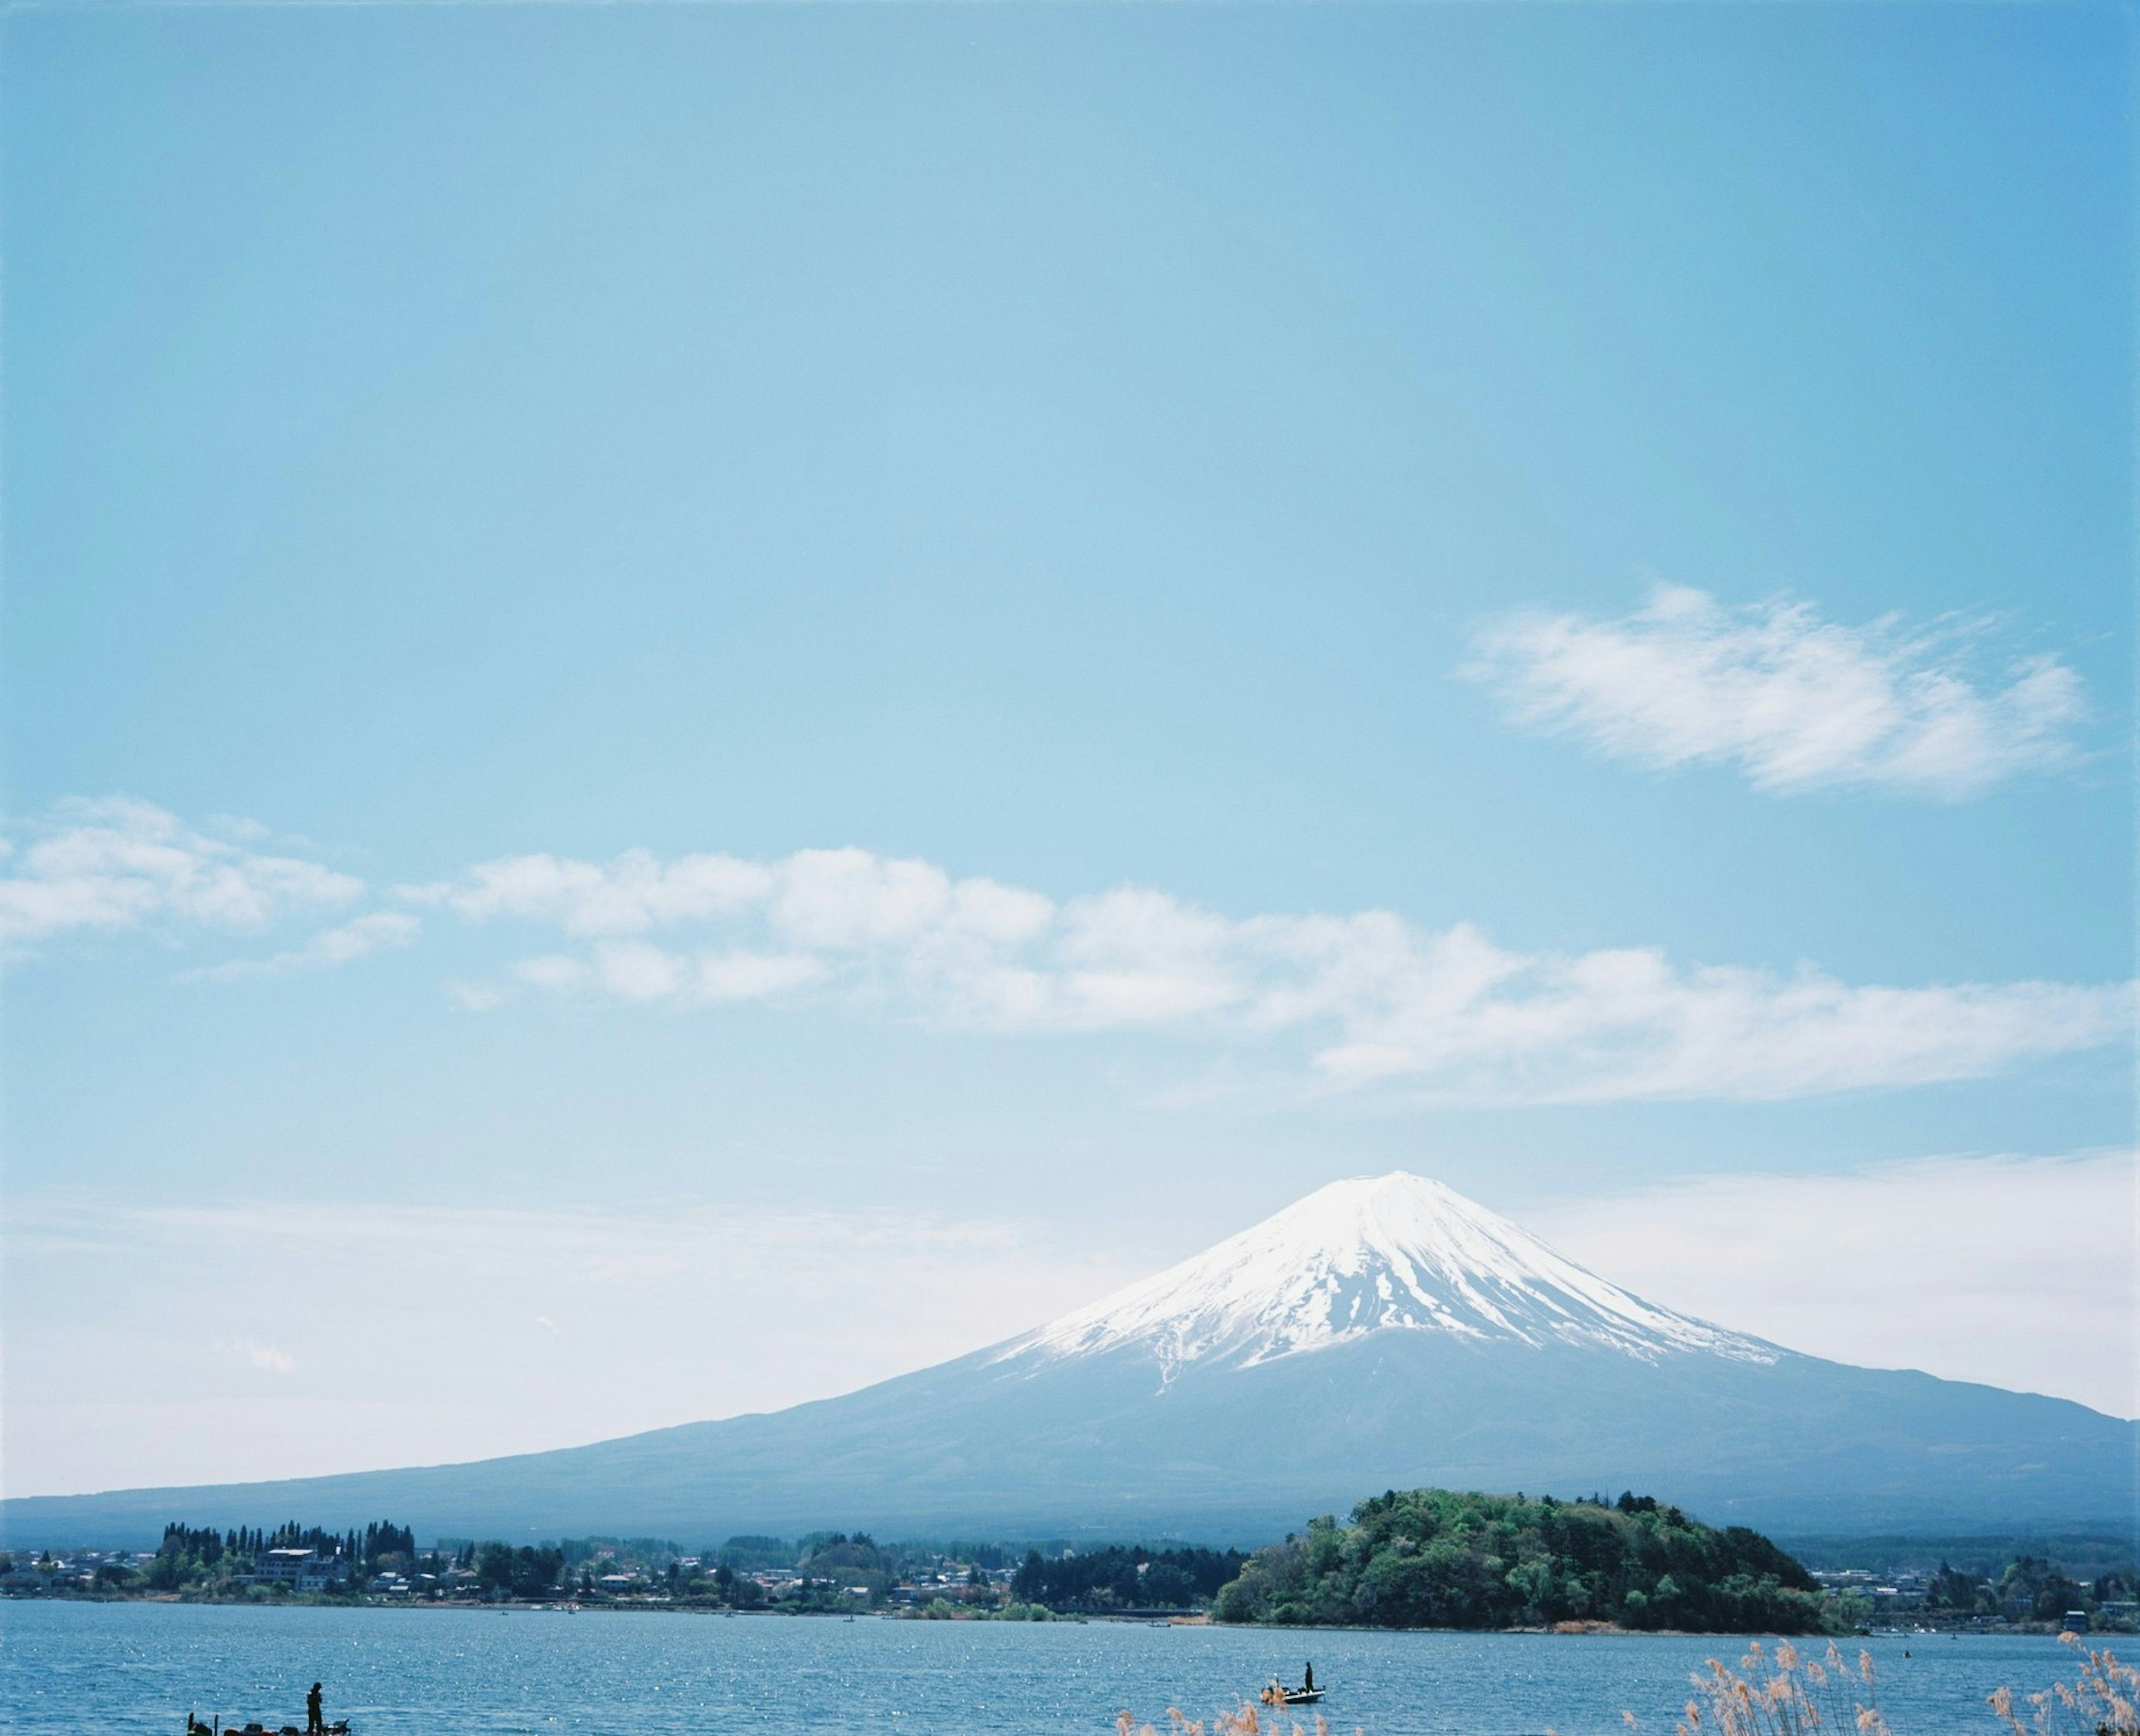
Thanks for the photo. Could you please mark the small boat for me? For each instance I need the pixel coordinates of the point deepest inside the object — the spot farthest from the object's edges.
(1279, 1694)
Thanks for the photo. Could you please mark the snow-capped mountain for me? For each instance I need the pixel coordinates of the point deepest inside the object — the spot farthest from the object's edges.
(1394, 1253)
(1380, 1334)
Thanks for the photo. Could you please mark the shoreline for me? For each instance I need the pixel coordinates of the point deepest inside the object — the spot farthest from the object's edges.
(1565, 1629)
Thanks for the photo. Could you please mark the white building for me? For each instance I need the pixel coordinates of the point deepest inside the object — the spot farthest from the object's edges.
(302, 1570)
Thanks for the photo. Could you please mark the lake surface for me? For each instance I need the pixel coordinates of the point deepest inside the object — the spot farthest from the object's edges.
(129, 1667)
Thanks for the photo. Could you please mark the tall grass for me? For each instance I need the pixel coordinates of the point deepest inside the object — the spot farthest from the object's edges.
(1245, 1720)
(1784, 1693)
(2104, 1701)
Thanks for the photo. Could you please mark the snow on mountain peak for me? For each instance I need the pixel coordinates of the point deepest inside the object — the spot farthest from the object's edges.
(1380, 1253)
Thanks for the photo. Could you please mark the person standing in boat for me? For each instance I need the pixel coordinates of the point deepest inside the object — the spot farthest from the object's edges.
(1307, 1679)
(315, 1724)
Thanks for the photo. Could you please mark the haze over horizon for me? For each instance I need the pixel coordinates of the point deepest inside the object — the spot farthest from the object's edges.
(1420, 1341)
(704, 704)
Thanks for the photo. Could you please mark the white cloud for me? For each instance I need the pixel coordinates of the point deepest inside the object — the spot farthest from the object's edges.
(1369, 996)
(1628, 1023)
(637, 970)
(341, 945)
(629, 895)
(743, 976)
(845, 899)
(634, 970)
(2016, 1271)
(554, 971)
(1360, 998)
(118, 863)
(1794, 702)
(265, 1357)
(1137, 957)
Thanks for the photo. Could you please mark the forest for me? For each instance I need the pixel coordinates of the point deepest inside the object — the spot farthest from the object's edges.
(1119, 1578)
(1436, 1558)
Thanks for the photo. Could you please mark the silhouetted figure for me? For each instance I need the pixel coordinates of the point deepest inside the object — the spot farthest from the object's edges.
(1307, 1678)
(315, 1725)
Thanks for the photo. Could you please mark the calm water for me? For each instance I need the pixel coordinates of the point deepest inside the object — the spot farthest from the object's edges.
(139, 1667)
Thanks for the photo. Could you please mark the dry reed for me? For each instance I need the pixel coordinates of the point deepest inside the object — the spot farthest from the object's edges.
(2101, 1702)
(1784, 1693)
(1245, 1720)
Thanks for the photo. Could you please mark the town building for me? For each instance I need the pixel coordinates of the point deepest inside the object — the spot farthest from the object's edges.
(302, 1570)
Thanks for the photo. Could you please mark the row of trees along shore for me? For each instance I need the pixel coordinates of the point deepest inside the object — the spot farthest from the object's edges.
(1120, 1577)
(1414, 1558)
(187, 1556)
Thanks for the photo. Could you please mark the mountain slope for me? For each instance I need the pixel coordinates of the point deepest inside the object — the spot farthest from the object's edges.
(1378, 1334)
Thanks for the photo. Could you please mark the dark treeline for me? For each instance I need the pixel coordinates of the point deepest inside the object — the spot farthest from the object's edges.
(1424, 1557)
(1125, 1577)
(749, 1552)
(528, 1571)
(2030, 1589)
(208, 1558)
(1435, 1558)
(577, 1550)
(990, 1557)
(822, 1566)
(2085, 1554)
(188, 1555)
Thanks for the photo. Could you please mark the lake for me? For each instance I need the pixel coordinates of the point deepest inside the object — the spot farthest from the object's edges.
(129, 1667)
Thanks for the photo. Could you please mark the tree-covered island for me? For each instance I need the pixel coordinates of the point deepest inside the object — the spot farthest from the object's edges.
(1432, 1557)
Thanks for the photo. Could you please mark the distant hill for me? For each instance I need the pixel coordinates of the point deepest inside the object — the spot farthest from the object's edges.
(1380, 1334)
(1432, 1557)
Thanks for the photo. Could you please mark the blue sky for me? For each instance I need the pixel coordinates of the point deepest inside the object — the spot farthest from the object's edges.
(1538, 594)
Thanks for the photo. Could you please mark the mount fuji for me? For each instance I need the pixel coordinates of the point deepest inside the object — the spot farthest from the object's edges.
(1380, 1333)
(1397, 1252)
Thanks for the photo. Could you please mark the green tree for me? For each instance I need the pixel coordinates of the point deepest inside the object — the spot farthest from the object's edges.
(1436, 1558)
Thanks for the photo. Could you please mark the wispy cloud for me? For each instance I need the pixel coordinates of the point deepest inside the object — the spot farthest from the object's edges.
(265, 1357)
(1357, 997)
(117, 864)
(635, 892)
(341, 946)
(628, 1249)
(1793, 702)
(1372, 996)
(632, 970)
(2018, 1271)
